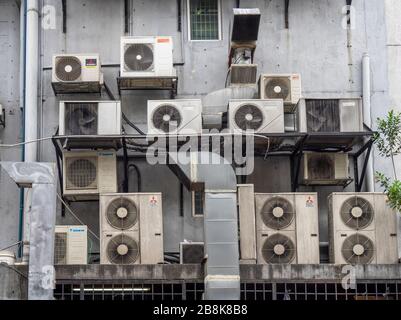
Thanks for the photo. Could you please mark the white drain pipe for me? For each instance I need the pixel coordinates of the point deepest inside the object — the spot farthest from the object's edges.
(366, 91)
(31, 101)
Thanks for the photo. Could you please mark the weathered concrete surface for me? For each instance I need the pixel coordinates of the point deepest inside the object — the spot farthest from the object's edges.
(13, 283)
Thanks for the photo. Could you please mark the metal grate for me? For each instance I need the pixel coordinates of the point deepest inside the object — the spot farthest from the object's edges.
(204, 19)
(81, 173)
(323, 115)
(81, 119)
(60, 248)
(251, 291)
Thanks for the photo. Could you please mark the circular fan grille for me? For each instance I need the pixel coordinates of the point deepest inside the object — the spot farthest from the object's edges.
(81, 173)
(138, 57)
(358, 249)
(167, 118)
(122, 249)
(81, 121)
(277, 213)
(278, 249)
(122, 213)
(357, 213)
(68, 68)
(278, 88)
(249, 117)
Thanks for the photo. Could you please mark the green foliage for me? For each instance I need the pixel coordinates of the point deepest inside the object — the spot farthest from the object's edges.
(388, 143)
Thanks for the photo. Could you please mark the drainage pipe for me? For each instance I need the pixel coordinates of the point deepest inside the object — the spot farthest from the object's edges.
(366, 91)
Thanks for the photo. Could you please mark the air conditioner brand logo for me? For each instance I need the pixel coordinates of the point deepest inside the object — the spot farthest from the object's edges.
(310, 202)
(163, 40)
(91, 63)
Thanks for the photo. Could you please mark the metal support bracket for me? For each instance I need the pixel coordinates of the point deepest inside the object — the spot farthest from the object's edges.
(359, 180)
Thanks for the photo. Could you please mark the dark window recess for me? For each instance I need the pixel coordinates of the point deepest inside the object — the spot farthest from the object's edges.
(323, 115)
(204, 19)
(81, 119)
(198, 199)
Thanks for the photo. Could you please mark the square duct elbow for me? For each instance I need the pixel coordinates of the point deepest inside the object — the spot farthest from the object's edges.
(245, 25)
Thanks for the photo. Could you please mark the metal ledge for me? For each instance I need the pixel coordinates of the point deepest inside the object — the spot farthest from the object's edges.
(148, 83)
(61, 88)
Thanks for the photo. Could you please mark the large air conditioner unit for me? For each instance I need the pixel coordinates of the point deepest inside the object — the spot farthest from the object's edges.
(363, 229)
(86, 174)
(287, 228)
(71, 245)
(77, 72)
(81, 118)
(131, 228)
(330, 115)
(174, 117)
(325, 168)
(192, 252)
(258, 116)
(281, 86)
(147, 57)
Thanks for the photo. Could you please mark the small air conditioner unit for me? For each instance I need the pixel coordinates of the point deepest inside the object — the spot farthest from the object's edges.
(330, 115)
(71, 245)
(147, 57)
(325, 168)
(131, 228)
(241, 74)
(77, 73)
(174, 117)
(281, 86)
(287, 228)
(258, 116)
(363, 229)
(192, 252)
(80, 118)
(87, 174)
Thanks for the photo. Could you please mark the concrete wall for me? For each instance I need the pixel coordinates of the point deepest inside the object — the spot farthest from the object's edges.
(315, 45)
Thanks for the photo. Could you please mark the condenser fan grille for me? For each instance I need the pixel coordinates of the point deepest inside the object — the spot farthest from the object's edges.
(278, 249)
(122, 249)
(249, 117)
(81, 173)
(321, 167)
(278, 88)
(68, 68)
(60, 248)
(166, 118)
(357, 213)
(122, 213)
(81, 119)
(139, 57)
(277, 213)
(323, 115)
(358, 249)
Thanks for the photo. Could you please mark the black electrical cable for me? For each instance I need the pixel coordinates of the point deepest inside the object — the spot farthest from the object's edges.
(132, 125)
(126, 173)
(138, 173)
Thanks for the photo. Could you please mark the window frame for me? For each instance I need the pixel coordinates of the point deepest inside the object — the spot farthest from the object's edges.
(219, 20)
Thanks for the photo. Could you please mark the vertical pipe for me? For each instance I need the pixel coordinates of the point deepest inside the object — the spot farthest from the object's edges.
(31, 100)
(366, 91)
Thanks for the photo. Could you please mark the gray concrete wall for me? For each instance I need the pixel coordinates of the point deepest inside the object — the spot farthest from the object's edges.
(315, 45)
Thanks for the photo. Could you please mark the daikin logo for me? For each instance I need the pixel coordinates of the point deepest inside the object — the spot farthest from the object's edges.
(223, 147)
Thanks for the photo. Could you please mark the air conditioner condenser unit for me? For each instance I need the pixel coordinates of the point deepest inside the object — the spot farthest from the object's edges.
(362, 228)
(131, 228)
(287, 228)
(77, 73)
(330, 115)
(258, 116)
(71, 245)
(81, 118)
(147, 57)
(174, 117)
(192, 252)
(325, 169)
(86, 174)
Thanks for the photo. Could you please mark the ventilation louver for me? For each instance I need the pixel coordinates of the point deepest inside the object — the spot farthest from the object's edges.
(68, 68)
(81, 173)
(358, 249)
(122, 249)
(166, 118)
(278, 249)
(139, 57)
(249, 117)
(278, 88)
(122, 213)
(277, 213)
(81, 119)
(357, 213)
